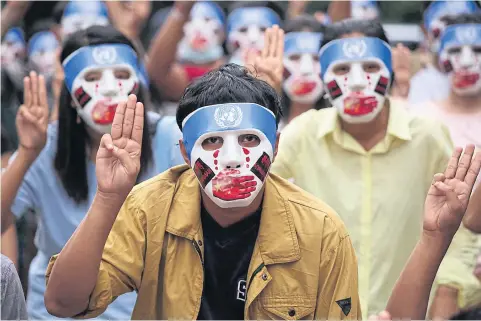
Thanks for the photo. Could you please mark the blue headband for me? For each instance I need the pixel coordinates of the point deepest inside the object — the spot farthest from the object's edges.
(97, 8)
(15, 35)
(461, 35)
(42, 41)
(440, 8)
(259, 16)
(242, 116)
(99, 56)
(354, 49)
(302, 42)
(207, 9)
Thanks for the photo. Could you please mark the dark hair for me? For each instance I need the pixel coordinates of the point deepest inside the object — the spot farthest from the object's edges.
(268, 4)
(463, 18)
(371, 28)
(470, 314)
(301, 23)
(71, 157)
(230, 83)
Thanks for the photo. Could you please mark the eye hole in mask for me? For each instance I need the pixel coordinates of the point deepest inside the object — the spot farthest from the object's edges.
(245, 140)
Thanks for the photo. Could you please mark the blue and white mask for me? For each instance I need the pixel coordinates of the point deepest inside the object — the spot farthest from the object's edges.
(13, 56)
(364, 9)
(434, 14)
(99, 78)
(302, 81)
(79, 15)
(356, 73)
(203, 34)
(42, 52)
(230, 147)
(245, 31)
(460, 57)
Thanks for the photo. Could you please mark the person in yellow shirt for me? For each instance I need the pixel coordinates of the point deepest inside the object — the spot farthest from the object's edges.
(366, 157)
(218, 238)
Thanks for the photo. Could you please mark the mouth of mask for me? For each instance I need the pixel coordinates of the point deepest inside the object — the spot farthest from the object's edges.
(230, 147)
(358, 104)
(464, 80)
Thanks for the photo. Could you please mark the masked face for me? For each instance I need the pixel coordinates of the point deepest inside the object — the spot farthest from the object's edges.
(301, 66)
(246, 28)
(460, 56)
(361, 9)
(231, 147)
(356, 73)
(42, 54)
(203, 34)
(13, 56)
(434, 18)
(99, 78)
(79, 15)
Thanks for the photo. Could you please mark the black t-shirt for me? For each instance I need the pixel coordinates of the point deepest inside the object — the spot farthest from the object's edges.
(227, 254)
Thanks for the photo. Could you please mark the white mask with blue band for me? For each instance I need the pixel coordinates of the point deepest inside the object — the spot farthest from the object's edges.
(356, 73)
(230, 147)
(42, 53)
(460, 57)
(79, 15)
(99, 78)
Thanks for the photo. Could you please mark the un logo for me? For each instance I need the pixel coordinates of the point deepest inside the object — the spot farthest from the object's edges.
(466, 35)
(104, 55)
(228, 116)
(354, 48)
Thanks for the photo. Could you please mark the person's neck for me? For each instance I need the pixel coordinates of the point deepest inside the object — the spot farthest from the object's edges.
(228, 216)
(463, 104)
(94, 143)
(371, 133)
(297, 108)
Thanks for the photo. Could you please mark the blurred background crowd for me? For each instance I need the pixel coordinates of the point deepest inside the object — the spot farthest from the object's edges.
(181, 41)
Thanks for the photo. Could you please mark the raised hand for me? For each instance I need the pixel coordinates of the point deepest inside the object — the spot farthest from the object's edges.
(269, 65)
(118, 157)
(129, 16)
(449, 193)
(32, 116)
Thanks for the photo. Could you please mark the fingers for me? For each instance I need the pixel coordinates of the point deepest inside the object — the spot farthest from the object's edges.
(267, 40)
(465, 162)
(116, 131)
(34, 86)
(107, 143)
(27, 114)
(138, 130)
(42, 94)
(27, 92)
(129, 116)
(473, 171)
(273, 41)
(439, 177)
(453, 163)
(279, 47)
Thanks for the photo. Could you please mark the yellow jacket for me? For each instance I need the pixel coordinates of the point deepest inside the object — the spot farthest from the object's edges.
(303, 264)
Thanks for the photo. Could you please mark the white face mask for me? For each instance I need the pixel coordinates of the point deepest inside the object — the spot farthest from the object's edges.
(42, 55)
(460, 56)
(364, 10)
(303, 83)
(99, 91)
(13, 52)
(357, 76)
(99, 78)
(79, 15)
(231, 164)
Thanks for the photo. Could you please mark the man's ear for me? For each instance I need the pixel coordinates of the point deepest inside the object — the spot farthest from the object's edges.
(277, 145)
(184, 152)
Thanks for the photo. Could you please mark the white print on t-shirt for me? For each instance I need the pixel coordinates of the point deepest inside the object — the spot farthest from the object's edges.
(241, 290)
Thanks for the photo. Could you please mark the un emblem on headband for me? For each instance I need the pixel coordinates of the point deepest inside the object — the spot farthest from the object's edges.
(354, 48)
(228, 116)
(104, 55)
(466, 35)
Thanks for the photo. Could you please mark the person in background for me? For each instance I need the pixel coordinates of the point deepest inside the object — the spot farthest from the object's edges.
(460, 111)
(430, 83)
(79, 15)
(246, 24)
(360, 152)
(302, 85)
(42, 53)
(13, 299)
(53, 170)
(364, 9)
(188, 45)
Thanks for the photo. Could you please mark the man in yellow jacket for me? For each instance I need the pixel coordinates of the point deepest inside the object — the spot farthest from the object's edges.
(219, 238)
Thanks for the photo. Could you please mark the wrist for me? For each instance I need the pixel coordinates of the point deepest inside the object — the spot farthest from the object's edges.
(436, 240)
(109, 201)
(27, 154)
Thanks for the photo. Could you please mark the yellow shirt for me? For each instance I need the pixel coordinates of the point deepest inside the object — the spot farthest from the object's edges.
(379, 194)
(303, 264)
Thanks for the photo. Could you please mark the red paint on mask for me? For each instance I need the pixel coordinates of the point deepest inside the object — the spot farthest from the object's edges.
(359, 105)
(103, 112)
(228, 185)
(465, 79)
(216, 153)
(246, 151)
(302, 87)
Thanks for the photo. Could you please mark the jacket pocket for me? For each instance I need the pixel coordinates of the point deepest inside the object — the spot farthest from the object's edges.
(289, 307)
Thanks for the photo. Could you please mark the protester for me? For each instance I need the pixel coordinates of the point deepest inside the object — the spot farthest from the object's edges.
(250, 236)
(79, 15)
(430, 83)
(13, 300)
(362, 149)
(53, 171)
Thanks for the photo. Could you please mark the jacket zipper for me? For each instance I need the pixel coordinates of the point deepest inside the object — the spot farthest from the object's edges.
(197, 249)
